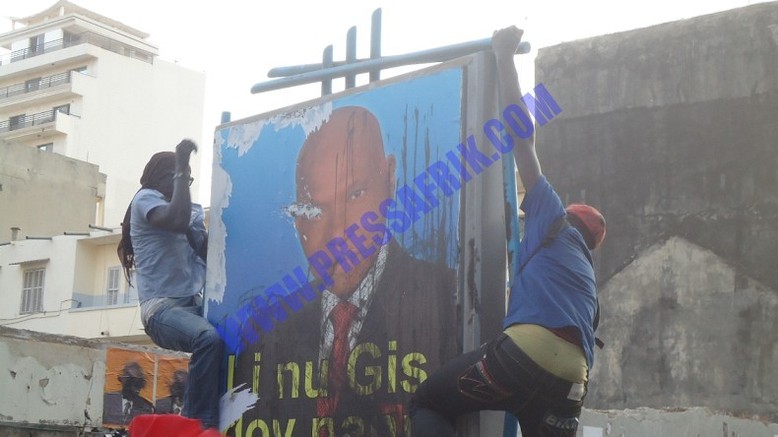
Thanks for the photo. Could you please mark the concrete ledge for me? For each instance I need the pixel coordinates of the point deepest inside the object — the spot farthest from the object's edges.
(649, 422)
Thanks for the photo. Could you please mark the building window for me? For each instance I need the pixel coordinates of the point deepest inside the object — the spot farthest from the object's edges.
(32, 291)
(16, 122)
(48, 147)
(112, 290)
(65, 109)
(37, 44)
(32, 84)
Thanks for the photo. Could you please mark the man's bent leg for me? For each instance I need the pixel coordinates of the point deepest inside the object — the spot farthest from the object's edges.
(181, 328)
(202, 401)
(435, 405)
(471, 382)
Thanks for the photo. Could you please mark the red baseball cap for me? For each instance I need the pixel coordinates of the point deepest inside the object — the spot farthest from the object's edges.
(592, 220)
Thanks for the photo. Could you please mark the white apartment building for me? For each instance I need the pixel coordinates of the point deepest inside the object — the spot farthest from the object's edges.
(88, 87)
(91, 91)
(69, 284)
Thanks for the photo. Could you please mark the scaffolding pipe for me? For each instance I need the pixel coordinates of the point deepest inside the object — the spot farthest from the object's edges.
(309, 73)
(375, 43)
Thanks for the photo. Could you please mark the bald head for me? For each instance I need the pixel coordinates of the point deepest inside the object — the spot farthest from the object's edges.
(350, 137)
(342, 173)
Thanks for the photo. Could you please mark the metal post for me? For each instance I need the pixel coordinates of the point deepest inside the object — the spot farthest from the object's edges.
(326, 63)
(375, 43)
(351, 55)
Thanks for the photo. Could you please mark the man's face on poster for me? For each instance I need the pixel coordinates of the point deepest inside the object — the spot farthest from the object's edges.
(342, 173)
(133, 380)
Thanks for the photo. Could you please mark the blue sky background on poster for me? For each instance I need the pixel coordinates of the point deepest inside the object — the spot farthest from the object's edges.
(260, 251)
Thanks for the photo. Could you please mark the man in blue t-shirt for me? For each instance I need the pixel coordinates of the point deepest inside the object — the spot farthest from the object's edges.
(537, 369)
(164, 239)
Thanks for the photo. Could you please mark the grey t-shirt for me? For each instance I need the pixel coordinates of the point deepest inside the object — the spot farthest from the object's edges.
(165, 263)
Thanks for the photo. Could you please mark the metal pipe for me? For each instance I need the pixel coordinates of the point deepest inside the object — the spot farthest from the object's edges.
(438, 54)
(351, 55)
(375, 43)
(100, 228)
(309, 73)
(326, 62)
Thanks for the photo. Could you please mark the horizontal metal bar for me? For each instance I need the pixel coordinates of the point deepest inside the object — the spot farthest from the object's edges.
(309, 73)
(100, 228)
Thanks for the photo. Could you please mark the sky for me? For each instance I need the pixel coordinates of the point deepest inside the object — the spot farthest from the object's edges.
(236, 42)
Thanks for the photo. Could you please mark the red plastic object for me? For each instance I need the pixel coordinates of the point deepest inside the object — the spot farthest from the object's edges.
(166, 425)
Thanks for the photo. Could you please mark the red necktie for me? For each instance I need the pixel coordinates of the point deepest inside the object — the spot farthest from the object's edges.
(342, 316)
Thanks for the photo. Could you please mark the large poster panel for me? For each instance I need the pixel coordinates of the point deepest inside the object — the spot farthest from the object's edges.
(334, 248)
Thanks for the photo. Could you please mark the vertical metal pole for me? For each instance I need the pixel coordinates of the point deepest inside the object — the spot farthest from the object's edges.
(375, 43)
(351, 55)
(326, 62)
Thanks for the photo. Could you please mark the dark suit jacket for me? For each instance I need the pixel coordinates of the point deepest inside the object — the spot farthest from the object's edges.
(165, 406)
(409, 331)
(113, 413)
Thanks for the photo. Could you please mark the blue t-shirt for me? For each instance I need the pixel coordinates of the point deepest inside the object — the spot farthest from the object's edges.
(557, 286)
(165, 263)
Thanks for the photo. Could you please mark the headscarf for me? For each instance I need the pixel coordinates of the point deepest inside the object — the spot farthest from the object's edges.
(156, 172)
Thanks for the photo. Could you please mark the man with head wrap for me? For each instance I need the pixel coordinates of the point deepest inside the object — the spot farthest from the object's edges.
(164, 238)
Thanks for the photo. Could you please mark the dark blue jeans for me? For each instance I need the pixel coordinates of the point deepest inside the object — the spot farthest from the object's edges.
(497, 376)
(182, 328)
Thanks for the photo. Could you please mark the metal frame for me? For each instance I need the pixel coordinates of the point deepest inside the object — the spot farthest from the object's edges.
(328, 69)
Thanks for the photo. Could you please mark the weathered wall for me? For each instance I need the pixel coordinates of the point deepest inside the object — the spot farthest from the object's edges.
(44, 193)
(50, 380)
(672, 131)
(647, 422)
(679, 333)
(50, 384)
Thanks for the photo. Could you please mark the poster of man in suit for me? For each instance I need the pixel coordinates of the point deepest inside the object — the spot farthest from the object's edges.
(129, 380)
(172, 376)
(351, 206)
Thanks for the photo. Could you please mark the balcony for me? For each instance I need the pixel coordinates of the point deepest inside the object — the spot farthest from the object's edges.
(41, 125)
(32, 86)
(42, 91)
(71, 40)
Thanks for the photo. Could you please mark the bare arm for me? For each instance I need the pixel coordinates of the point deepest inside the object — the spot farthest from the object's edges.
(175, 215)
(504, 43)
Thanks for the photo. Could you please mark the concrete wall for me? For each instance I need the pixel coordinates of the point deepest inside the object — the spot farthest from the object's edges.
(671, 130)
(52, 383)
(647, 422)
(45, 193)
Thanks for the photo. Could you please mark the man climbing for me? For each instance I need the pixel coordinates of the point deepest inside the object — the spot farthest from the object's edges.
(538, 367)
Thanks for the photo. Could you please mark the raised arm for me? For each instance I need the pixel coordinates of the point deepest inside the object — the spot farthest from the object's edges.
(504, 44)
(175, 215)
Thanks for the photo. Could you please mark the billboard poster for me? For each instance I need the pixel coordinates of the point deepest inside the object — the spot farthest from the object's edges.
(334, 246)
(172, 373)
(141, 382)
(129, 386)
